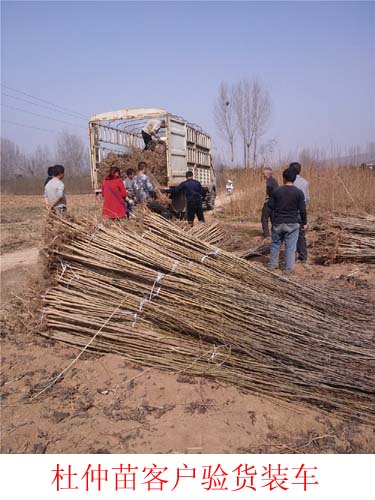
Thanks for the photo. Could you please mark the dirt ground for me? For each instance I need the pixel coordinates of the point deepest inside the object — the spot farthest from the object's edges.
(104, 404)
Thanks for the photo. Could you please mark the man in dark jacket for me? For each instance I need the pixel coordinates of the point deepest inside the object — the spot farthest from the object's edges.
(194, 193)
(287, 203)
(271, 185)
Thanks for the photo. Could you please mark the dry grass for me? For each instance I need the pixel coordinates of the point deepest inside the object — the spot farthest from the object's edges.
(22, 218)
(341, 190)
(35, 185)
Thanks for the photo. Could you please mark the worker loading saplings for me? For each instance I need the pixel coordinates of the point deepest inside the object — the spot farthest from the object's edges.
(150, 131)
(194, 193)
(142, 184)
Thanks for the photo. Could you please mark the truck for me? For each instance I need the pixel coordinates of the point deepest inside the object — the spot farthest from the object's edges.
(187, 147)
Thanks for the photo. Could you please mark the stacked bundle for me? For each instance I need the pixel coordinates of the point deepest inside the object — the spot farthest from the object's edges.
(166, 299)
(210, 233)
(345, 239)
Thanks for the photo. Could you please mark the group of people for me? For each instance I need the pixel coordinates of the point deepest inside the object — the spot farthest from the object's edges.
(286, 206)
(120, 195)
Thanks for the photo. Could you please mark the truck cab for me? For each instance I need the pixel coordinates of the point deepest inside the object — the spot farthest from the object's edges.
(187, 147)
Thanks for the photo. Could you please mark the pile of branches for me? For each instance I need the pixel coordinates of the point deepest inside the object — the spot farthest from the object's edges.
(213, 233)
(156, 161)
(345, 239)
(262, 248)
(164, 298)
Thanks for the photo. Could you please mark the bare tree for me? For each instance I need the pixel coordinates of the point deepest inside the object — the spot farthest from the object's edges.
(15, 163)
(224, 114)
(12, 160)
(72, 153)
(267, 150)
(244, 114)
(253, 108)
(261, 112)
(37, 164)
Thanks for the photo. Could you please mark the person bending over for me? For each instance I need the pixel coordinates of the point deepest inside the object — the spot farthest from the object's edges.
(150, 131)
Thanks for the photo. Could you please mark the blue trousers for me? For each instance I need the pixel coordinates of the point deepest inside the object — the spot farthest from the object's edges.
(287, 233)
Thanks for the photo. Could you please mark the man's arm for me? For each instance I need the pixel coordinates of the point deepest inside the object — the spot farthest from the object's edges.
(60, 196)
(271, 203)
(46, 201)
(149, 185)
(302, 208)
(177, 189)
(270, 188)
(155, 129)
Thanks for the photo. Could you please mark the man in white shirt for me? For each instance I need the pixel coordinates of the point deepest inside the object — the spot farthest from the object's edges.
(150, 131)
(303, 185)
(54, 191)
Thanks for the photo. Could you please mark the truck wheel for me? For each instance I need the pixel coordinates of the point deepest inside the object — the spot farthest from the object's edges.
(210, 201)
(179, 203)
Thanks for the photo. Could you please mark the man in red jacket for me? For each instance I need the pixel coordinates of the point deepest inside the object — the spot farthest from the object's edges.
(114, 194)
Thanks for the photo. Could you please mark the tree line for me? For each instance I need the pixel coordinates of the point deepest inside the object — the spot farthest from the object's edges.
(242, 112)
(70, 151)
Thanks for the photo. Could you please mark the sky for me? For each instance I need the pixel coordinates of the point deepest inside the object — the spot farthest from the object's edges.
(315, 58)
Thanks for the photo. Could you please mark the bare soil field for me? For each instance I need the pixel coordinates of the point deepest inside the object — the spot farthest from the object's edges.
(105, 404)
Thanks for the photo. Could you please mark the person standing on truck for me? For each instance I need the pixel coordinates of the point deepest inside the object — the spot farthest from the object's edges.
(54, 191)
(271, 185)
(303, 185)
(142, 184)
(194, 194)
(288, 204)
(150, 131)
(114, 194)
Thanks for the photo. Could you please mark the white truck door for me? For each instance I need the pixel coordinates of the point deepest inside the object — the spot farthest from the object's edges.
(176, 151)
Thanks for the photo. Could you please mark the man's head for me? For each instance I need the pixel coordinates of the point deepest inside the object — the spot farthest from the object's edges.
(296, 166)
(130, 173)
(142, 166)
(58, 171)
(51, 171)
(289, 175)
(189, 174)
(163, 124)
(267, 172)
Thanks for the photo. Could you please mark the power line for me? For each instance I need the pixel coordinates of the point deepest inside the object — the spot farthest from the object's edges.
(80, 115)
(29, 126)
(49, 108)
(42, 116)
